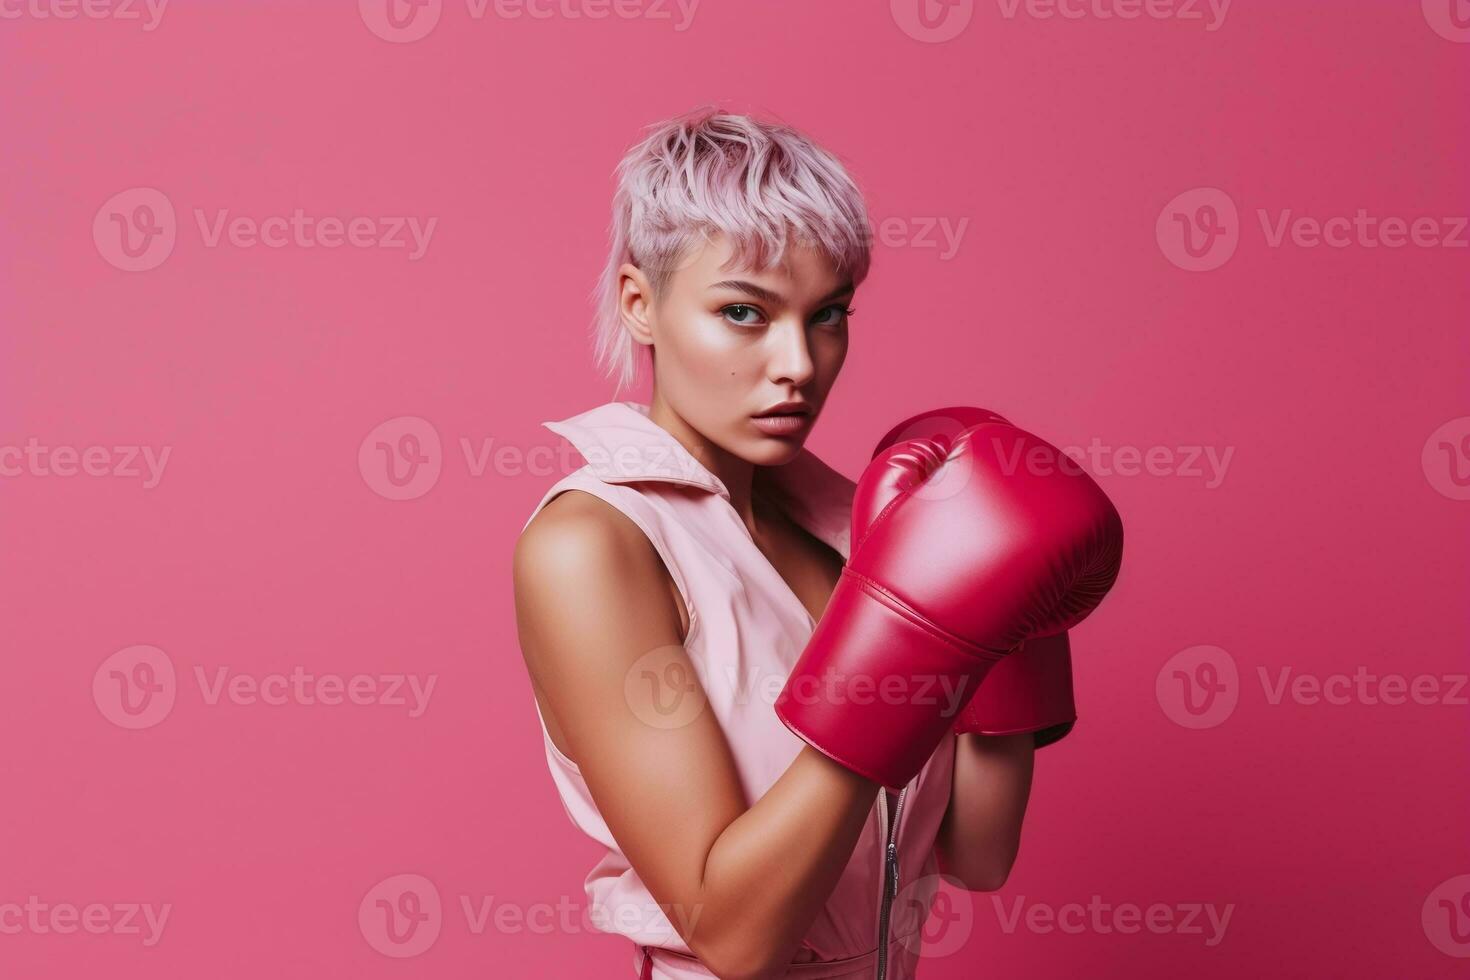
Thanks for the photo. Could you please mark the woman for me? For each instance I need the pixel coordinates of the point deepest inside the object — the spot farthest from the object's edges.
(665, 590)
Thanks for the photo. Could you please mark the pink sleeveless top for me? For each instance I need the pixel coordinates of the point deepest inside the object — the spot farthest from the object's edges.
(746, 630)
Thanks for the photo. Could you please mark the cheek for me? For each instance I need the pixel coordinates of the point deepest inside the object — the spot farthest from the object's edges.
(709, 353)
(828, 353)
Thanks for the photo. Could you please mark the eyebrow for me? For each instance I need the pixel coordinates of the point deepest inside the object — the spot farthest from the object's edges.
(762, 293)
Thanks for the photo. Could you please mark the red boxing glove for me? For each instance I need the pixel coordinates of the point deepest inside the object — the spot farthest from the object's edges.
(963, 548)
(1031, 689)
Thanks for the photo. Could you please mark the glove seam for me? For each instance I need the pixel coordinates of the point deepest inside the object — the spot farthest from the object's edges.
(903, 609)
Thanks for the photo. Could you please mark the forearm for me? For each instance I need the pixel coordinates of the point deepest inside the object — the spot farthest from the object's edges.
(980, 834)
(771, 870)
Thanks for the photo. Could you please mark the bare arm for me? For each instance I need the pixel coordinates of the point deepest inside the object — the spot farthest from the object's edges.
(741, 884)
(980, 834)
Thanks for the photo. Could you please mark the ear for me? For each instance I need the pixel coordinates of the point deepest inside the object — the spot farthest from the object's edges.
(635, 303)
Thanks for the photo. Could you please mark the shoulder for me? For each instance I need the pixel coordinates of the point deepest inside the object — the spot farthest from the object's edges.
(581, 546)
(572, 522)
(574, 529)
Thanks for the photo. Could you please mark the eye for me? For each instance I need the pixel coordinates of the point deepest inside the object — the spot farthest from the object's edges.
(835, 315)
(741, 314)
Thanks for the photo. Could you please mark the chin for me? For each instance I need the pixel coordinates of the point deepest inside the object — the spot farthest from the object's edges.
(773, 452)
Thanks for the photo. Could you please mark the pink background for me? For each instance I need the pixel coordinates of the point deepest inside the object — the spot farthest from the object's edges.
(1336, 539)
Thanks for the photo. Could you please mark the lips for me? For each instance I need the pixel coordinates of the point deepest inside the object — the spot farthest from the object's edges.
(785, 408)
(778, 422)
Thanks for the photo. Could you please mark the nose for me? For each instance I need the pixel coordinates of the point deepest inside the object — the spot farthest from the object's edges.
(789, 361)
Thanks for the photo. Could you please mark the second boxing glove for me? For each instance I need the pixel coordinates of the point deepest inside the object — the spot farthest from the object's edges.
(1028, 691)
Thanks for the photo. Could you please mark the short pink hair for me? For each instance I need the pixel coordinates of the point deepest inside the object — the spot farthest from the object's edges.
(708, 172)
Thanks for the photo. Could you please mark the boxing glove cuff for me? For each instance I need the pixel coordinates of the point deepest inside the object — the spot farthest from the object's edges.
(1028, 691)
(878, 721)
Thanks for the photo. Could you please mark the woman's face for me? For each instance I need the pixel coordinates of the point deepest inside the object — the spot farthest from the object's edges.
(733, 345)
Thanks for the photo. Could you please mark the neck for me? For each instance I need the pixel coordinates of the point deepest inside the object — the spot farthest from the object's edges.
(736, 474)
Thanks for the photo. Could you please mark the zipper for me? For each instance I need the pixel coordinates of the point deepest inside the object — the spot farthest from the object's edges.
(890, 874)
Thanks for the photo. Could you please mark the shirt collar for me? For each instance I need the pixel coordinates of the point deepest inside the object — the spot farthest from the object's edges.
(621, 444)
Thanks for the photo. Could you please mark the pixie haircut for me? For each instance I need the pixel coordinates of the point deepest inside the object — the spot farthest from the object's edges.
(762, 185)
